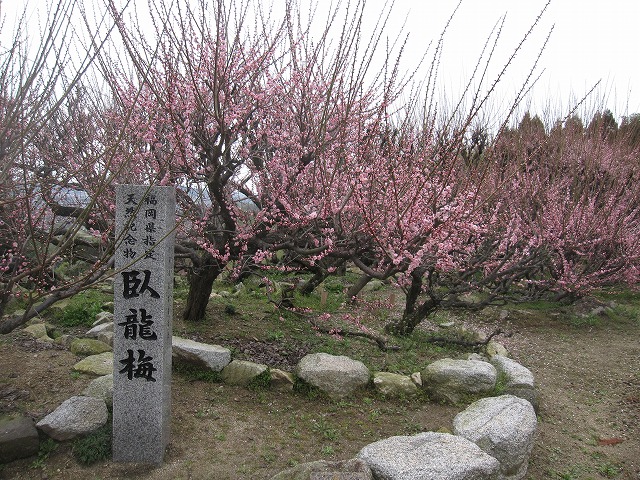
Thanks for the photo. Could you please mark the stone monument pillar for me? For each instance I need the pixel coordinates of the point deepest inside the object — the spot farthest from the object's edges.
(143, 312)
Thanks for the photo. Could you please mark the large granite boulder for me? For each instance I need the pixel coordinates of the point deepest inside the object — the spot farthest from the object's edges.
(18, 439)
(336, 375)
(353, 469)
(394, 385)
(214, 357)
(429, 456)
(517, 380)
(504, 427)
(74, 417)
(455, 381)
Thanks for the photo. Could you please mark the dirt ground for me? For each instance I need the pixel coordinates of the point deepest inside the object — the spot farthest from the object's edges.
(588, 377)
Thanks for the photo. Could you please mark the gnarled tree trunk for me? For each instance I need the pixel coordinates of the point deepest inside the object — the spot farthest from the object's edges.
(413, 314)
(201, 278)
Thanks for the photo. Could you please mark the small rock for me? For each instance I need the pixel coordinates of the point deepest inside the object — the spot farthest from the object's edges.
(98, 329)
(455, 380)
(101, 364)
(65, 340)
(39, 331)
(476, 356)
(496, 348)
(106, 337)
(373, 285)
(101, 387)
(518, 380)
(241, 372)
(282, 380)
(102, 318)
(88, 346)
(394, 385)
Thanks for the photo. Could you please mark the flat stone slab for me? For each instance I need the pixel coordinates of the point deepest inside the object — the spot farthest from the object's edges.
(394, 385)
(504, 427)
(18, 439)
(241, 372)
(101, 364)
(336, 375)
(454, 380)
(214, 357)
(88, 346)
(353, 469)
(429, 456)
(98, 329)
(74, 417)
(103, 318)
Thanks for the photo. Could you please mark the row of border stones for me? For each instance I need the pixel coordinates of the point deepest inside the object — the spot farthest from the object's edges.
(340, 376)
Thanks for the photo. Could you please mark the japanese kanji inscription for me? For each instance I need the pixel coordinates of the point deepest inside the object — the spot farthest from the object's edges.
(143, 309)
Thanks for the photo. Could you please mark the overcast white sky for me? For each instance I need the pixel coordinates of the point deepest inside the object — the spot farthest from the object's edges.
(592, 41)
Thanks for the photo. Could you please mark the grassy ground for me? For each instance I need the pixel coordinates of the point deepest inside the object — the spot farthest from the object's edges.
(584, 358)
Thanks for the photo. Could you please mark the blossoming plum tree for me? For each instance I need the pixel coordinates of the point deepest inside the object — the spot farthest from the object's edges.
(37, 81)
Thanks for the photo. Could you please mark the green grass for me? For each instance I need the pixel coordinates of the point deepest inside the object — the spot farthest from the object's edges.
(46, 449)
(501, 381)
(81, 310)
(608, 470)
(325, 429)
(260, 382)
(95, 446)
(195, 373)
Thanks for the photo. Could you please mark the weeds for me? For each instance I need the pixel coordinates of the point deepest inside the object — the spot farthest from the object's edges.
(307, 390)
(46, 448)
(195, 373)
(608, 470)
(81, 310)
(327, 450)
(326, 429)
(94, 447)
(501, 383)
(260, 382)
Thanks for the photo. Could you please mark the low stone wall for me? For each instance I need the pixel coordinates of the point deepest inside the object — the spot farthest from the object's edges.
(492, 438)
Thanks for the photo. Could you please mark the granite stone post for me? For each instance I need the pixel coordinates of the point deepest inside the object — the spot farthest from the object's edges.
(143, 312)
